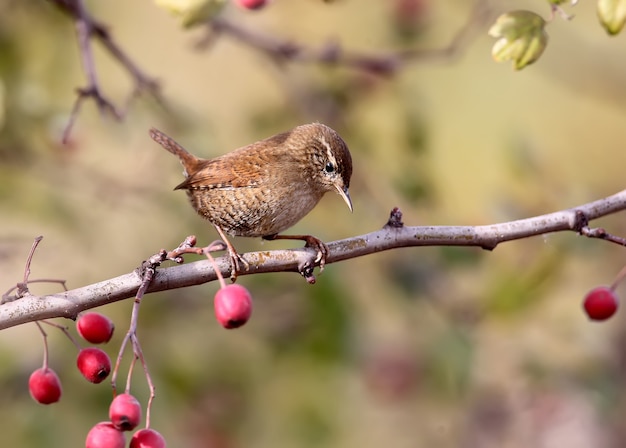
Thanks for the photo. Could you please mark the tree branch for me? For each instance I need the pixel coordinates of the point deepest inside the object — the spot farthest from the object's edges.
(393, 235)
(87, 27)
(384, 64)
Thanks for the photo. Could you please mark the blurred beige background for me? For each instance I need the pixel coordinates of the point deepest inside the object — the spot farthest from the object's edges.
(416, 347)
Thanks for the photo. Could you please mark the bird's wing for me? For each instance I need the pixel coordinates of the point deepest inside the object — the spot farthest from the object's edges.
(233, 170)
(249, 166)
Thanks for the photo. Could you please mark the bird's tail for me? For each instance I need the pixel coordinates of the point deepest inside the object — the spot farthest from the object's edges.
(189, 161)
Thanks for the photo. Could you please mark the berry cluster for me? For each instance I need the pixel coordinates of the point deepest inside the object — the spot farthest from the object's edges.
(95, 366)
(233, 308)
(124, 415)
(93, 363)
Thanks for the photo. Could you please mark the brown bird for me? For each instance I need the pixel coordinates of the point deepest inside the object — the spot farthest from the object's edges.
(264, 188)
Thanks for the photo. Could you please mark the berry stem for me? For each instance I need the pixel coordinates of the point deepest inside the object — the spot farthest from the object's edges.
(131, 368)
(118, 362)
(207, 252)
(65, 331)
(151, 388)
(45, 346)
(131, 335)
(132, 330)
(149, 269)
(618, 279)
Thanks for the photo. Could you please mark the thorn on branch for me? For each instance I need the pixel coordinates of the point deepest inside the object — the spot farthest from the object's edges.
(395, 219)
(581, 221)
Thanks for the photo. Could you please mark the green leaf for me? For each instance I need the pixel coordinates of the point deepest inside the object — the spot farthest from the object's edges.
(192, 12)
(612, 15)
(521, 38)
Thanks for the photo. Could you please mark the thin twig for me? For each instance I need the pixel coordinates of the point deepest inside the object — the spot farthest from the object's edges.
(83, 31)
(148, 269)
(147, 277)
(30, 258)
(87, 27)
(384, 63)
(6, 297)
(22, 288)
(601, 233)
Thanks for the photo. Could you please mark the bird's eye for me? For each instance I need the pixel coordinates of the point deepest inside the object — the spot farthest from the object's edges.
(329, 167)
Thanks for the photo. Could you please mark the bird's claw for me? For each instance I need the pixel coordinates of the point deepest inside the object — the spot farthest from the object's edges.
(306, 270)
(236, 261)
(307, 266)
(320, 247)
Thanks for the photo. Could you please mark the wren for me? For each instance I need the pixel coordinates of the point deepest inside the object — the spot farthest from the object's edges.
(266, 187)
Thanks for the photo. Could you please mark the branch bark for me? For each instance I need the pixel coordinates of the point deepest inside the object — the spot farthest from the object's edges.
(393, 235)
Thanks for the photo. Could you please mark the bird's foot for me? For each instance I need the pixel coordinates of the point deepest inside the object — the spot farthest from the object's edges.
(306, 268)
(320, 247)
(236, 262)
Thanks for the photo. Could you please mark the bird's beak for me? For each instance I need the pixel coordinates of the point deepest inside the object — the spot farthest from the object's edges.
(345, 195)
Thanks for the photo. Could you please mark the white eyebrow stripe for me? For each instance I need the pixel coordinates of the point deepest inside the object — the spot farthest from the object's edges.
(329, 153)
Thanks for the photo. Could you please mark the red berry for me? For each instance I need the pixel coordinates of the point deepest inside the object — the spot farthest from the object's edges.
(600, 303)
(147, 438)
(44, 386)
(104, 435)
(95, 327)
(94, 364)
(125, 412)
(233, 306)
(252, 4)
